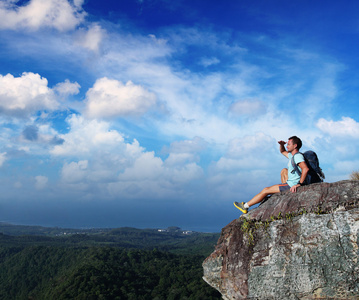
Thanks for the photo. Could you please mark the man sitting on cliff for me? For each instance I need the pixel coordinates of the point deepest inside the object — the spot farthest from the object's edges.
(290, 179)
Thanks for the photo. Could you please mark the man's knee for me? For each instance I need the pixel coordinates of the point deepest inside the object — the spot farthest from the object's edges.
(271, 190)
(266, 190)
(284, 175)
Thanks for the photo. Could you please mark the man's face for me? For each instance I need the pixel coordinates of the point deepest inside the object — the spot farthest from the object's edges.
(291, 146)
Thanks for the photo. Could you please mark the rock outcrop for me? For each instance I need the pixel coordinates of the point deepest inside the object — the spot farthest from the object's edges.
(300, 245)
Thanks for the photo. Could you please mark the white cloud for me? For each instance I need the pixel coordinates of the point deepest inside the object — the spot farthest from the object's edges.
(74, 172)
(145, 167)
(149, 177)
(59, 14)
(105, 164)
(209, 61)
(41, 182)
(197, 144)
(86, 137)
(25, 95)
(78, 3)
(92, 38)
(250, 107)
(251, 163)
(187, 151)
(124, 177)
(197, 104)
(43, 134)
(111, 98)
(250, 145)
(347, 127)
(178, 167)
(228, 164)
(175, 159)
(67, 88)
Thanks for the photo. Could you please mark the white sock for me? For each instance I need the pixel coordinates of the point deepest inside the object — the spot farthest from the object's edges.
(246, 205)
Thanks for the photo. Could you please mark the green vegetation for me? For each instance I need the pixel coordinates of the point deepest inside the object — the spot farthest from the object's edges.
(174, 241)
(247, 229)
(123, 263)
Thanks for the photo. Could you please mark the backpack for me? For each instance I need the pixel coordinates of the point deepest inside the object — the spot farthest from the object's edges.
(315, 173)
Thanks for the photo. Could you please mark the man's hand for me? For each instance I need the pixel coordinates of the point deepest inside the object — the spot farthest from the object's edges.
(293, 189)
(282, 148)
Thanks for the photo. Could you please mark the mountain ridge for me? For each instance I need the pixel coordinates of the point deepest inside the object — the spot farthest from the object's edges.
(300, 245)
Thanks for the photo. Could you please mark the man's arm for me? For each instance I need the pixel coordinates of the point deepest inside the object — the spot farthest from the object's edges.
(282, 148)
(305, 171)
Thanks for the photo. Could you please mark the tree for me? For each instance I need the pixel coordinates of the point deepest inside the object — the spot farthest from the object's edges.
(354, 175)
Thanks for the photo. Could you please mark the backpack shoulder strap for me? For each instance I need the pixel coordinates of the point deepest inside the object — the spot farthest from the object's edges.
(294, 165)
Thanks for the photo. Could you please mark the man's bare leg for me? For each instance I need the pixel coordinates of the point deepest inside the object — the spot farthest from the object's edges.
(243, 207)
(265, 192)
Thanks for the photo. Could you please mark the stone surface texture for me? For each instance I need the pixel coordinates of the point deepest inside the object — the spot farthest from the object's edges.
(300, 245)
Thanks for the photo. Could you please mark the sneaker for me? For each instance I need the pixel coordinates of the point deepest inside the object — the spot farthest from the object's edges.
(241, 207)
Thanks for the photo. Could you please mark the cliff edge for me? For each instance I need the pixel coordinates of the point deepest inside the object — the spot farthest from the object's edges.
(300, 245)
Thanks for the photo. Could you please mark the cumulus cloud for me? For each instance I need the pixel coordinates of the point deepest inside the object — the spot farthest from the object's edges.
(145, 167)
(67, 88)
(103, 149)
(248, 108)
(43, 134)
(91, 38)
(347, 127)
(110, 98)
(74, 172)
(86, 137)
(187, 151)
(150, 176)
(25, 95)
(148, 167)
(102, 162)
(59, 14)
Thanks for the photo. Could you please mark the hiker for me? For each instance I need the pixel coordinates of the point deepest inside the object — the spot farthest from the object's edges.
(291, 180)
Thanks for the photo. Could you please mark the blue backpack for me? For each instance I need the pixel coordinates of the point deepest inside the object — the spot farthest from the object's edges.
(315, 173)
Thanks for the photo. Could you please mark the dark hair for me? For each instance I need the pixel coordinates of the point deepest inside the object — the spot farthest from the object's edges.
(296, 141)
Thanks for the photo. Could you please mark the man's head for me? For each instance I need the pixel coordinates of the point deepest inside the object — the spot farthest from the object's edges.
(294, 142)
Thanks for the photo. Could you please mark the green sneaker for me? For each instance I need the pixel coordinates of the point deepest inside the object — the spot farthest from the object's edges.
(241, 207)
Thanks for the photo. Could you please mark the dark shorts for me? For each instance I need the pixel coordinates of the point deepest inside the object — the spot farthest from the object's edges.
(284, 187)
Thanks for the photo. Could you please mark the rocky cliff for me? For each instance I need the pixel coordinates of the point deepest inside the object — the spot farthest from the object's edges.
(300, 245)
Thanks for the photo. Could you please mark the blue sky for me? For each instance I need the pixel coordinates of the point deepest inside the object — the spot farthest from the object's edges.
(153, 113)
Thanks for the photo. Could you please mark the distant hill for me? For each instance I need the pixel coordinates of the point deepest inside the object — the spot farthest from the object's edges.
(172, 239)
(121, 263)
(11, 229)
